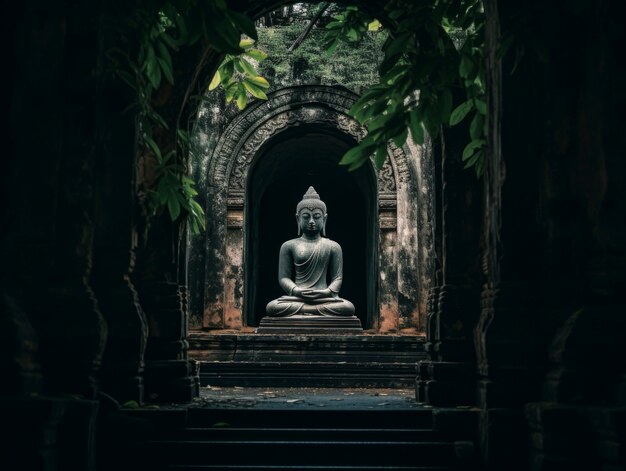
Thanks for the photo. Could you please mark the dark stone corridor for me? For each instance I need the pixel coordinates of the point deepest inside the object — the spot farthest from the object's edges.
(520, 300)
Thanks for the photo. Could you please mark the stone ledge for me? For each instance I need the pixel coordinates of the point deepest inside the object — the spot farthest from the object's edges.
(320, 360)
(310, 325)
(307, 374)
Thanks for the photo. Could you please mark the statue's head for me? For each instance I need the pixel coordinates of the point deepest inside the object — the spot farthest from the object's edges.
(311, 213)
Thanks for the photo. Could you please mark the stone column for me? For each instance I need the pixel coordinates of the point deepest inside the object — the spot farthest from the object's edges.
(448, 377)
(170, 376)
(506, 337)
(388, 320)
(52, 329)
(546, 188)
(116, 225)
(48, 252)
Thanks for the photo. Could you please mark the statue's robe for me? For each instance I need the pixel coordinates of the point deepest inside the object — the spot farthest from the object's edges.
(313, 262)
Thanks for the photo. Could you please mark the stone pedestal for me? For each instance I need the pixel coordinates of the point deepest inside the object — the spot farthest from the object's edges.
(306, 360)
(309, 325)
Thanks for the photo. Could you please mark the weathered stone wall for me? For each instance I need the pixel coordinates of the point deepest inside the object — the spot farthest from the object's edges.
(224, 150)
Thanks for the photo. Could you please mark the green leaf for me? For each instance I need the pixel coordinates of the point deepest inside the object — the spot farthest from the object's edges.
(167, 70)
(397, 45)
(476, 127)
(226, 71)
(231, 91)
(167, 38)
(244, 22)
(248, 68)
(173, 207)
(460, 112)
(431, 119)
(183, 135)
(153, 69)
(259, 81)
(352, 34)
(330, 47)
(254, 90)
(472, 160)
(359, 153)
(197, 210)
(246, 43)
(467, 67)
(400, 139)
(394, 51)
(481, 106)
(221, 34)
(470, 147)
(154, 147)
(374, 25)
(193, 225)
(217, 79)
(256, 54)
(334, 25)
(130, 405)
(417, 131)
(242, 100)
(481, 162)
(380, 156)
(161, 194)
(164, 53)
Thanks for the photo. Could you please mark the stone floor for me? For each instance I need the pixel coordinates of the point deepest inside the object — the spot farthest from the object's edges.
(306, 398)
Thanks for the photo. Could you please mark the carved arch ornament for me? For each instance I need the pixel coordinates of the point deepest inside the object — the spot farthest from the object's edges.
(323, 106)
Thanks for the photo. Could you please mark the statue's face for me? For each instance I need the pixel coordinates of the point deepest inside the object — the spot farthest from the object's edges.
(311, 221)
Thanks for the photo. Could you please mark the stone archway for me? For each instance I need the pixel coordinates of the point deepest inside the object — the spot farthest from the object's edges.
(392, 273)
(281, 171)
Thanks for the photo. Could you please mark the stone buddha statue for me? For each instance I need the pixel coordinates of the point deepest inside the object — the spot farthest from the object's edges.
(310, 267)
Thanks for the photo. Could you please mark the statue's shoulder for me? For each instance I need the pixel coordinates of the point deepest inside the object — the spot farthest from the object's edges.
(332, 244)
(290, 243)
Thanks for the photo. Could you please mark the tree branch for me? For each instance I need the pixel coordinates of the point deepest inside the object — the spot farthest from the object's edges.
(309, 27)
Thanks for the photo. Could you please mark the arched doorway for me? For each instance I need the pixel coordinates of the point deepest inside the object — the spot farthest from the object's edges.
(282, 171)
(255, 172)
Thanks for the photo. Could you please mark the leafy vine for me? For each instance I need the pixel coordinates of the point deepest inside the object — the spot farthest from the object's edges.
(172, 26)
(434, 53)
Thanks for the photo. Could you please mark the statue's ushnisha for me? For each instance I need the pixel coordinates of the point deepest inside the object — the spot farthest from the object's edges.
(306, 263)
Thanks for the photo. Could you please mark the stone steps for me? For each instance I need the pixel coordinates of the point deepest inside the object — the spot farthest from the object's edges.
(300, 360)
(311, 468)
(202, 438)
(279, 433)
(307, 374)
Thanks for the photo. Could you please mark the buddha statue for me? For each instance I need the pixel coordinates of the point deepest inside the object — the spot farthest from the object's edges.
(310, 267)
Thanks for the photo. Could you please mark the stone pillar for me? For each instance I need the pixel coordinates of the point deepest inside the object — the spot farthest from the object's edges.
(52, 329)
(551, 202)
(233, 263)
(506, 336)
(123, 361)
(169, 376)
(388, 320)
(448, 377)
(47, 255)
(116, 223)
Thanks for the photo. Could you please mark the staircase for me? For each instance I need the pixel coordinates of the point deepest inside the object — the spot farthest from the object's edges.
(307, 439)
(307, 360)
